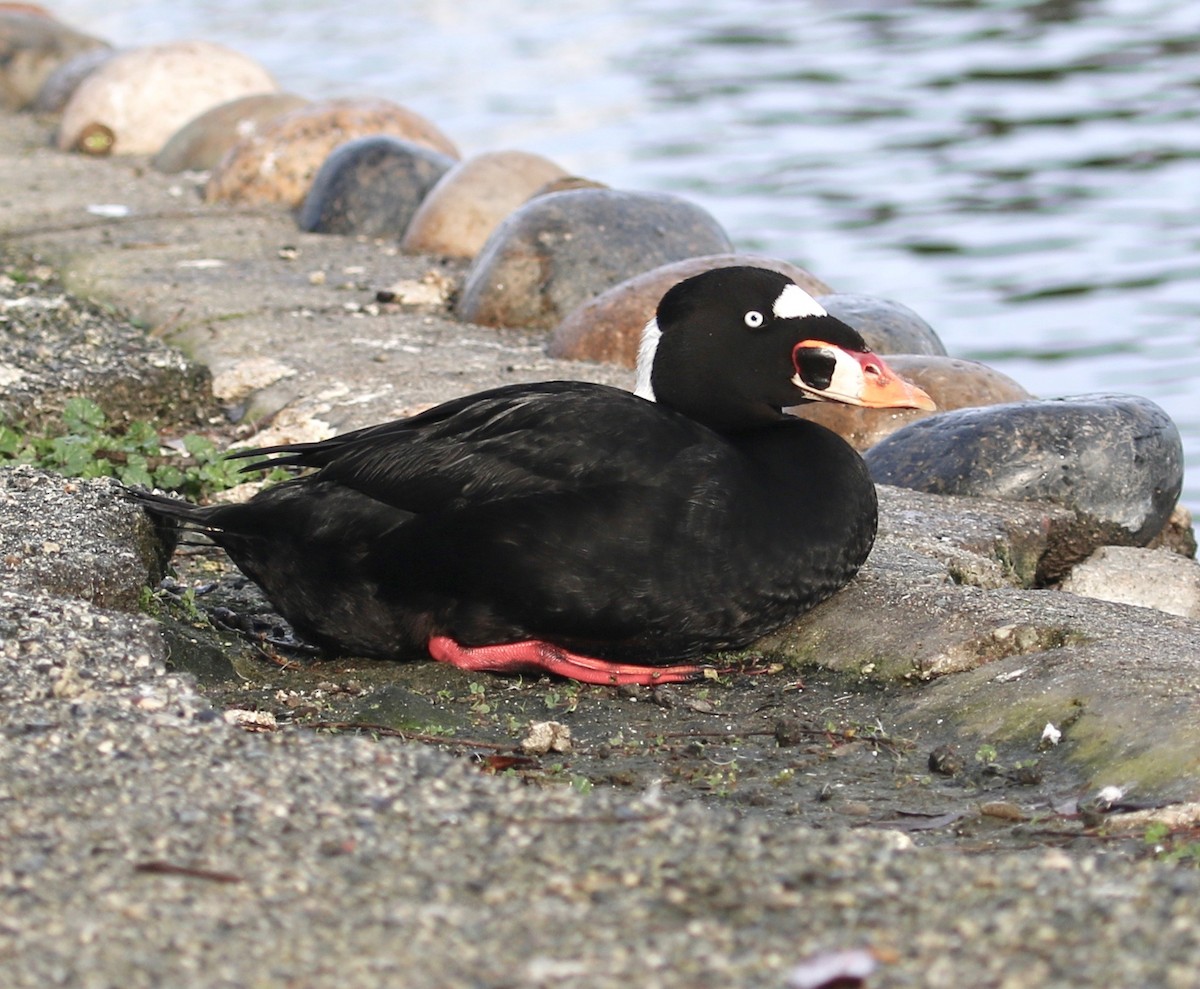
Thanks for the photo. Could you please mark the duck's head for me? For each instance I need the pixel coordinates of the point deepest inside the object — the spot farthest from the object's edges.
(733, 347)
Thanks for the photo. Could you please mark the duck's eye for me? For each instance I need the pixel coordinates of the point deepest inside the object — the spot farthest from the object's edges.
(754, 319)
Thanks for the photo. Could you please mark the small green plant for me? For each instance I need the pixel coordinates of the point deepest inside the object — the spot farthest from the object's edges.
(1171, 847)
(89, 446)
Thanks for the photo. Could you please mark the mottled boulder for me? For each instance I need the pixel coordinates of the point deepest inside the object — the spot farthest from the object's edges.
(200, 143)
(559, 250)
(32, 46)
(372, 186)
(951, 382)
(1116, 460)
(470, 201)
(146, 94)
(609, 327)
(279, 162)
(60, 85)
(1148, 578)
(888, 327)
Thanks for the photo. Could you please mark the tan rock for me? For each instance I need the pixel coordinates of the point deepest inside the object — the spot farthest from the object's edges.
(32, 46)
(1148, 578)
(951, 382)
(609, 327)
(278, 163)
(204, 140)
(463, 209)
(146, 94)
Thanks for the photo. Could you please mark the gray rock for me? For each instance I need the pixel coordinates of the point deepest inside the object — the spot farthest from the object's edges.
(55, 346)
(560, 250)
(888, 327)
(372, 186)
(1117, 460)
(1148, 578)
(61, 84)
(75, 538)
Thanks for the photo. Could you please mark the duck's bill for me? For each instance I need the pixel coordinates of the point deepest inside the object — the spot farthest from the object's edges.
(858, 378)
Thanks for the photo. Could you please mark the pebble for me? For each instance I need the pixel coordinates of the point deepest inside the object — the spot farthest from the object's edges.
(1149, 578)
(1116, 459)
(372, 186)
(559, 250)
(470, 201)
(279, 162)
(888, 327)
(146, 94)
(609, 327)
(32, 46)
(951, 382)
(201, 143)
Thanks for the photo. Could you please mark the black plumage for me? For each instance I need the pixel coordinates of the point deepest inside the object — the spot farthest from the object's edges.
(577, 521)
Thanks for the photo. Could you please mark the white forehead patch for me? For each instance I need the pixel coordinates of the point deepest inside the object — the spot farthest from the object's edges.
(794, 302)
(645, 361)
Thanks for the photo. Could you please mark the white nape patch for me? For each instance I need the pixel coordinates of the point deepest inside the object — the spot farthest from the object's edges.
(645, 361)
(794, 302)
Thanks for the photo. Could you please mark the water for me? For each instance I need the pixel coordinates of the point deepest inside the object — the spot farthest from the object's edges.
(1026, 175)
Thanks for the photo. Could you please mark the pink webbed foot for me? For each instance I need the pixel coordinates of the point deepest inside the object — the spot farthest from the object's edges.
(533, 655)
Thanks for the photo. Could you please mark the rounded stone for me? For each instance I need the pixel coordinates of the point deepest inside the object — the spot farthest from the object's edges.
(951, 382)
(1115, 459)
(200, 143)
(61, 84)
(609, 327)
(888, 327)
(32, 46)
(279, 162)
(460, 213)
(559, 250)
(146, 94)
(372, 186)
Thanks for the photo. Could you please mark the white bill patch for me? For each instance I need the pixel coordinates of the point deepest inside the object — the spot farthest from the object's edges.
(845, 386)
(794, 302)
(645, 361)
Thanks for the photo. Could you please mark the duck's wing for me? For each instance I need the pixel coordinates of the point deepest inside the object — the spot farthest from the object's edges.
(507, 442)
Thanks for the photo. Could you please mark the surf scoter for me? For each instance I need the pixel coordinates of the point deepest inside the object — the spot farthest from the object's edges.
(580, 529)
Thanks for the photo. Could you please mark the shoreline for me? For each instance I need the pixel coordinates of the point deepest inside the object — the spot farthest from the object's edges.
(153, 841)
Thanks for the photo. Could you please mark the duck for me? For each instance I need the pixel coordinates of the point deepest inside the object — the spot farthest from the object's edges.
(578, 529)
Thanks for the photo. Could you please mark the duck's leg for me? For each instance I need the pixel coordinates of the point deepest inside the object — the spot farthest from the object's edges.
(532, 654)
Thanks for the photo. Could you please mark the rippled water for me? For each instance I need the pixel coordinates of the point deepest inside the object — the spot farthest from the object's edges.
(1026, 175)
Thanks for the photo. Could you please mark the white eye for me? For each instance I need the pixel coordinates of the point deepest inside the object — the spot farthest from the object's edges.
(754, 319)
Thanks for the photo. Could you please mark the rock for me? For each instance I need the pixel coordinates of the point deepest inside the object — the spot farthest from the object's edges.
(200, 143)
(951, 382)
(279, 162)
(373, 186)
(75, 538)
(1114, 459)
(146, 94)
(55, 346)
(888, 327)
(1148, 578)
(1177, 535)
(60, 85)
(609, 327)
(32, 46)
(468, 203)
(559, 250)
